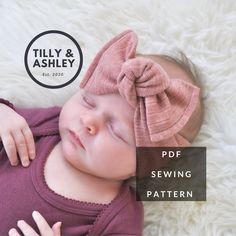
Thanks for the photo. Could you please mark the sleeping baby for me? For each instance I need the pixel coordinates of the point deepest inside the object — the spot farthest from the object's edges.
(65, 170)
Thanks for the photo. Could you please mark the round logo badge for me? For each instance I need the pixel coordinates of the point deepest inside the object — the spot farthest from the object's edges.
(53, 59)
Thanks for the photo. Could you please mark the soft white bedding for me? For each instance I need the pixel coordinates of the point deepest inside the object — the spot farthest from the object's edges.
(205, 30)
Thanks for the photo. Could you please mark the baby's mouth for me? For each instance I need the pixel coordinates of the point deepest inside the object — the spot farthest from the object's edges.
(76, 139)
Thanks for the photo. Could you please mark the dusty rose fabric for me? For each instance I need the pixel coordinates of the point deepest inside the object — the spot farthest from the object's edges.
(162, 105)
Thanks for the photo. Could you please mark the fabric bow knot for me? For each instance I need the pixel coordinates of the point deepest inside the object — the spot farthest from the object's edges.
(140, 77)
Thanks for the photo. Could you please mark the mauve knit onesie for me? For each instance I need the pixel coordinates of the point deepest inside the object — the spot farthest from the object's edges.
(24, 190)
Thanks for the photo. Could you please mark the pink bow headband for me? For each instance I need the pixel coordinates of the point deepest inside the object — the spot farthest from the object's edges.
(162, 105)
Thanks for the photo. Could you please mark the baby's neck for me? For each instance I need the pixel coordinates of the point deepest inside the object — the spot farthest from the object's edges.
(83, 186)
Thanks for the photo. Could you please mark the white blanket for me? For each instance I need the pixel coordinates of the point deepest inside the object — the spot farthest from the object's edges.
(204, 29)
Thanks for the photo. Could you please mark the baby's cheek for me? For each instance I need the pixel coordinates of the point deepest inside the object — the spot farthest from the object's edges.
(99, 149)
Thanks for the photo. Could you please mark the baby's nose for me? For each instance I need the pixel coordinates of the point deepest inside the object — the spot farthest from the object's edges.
(91, 129)
(90, 123)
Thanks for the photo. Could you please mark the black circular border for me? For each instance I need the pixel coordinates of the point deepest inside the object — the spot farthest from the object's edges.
(52, 32)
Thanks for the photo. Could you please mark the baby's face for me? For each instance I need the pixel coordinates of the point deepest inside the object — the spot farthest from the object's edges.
(104, 125)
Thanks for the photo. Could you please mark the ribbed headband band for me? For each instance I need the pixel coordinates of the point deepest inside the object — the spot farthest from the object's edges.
(162, 105)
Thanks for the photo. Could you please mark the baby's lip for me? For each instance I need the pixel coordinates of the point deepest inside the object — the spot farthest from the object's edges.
(77, 138)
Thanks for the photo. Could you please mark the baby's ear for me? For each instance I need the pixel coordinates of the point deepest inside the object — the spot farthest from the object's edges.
(110, 58)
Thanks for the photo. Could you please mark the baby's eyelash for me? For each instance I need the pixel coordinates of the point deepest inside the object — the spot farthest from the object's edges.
(87, 102)
(115, 133)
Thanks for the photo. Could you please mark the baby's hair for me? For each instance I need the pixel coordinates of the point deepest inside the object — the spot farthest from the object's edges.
(185, 63)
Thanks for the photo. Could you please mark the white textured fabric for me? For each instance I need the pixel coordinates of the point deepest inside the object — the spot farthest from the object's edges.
(205, 30)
